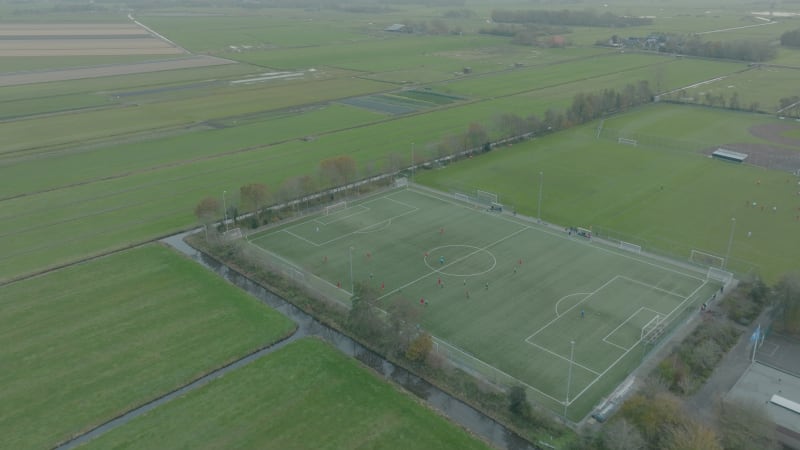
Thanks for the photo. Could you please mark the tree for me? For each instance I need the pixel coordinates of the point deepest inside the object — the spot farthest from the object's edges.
(621, 435)
(476, 136)
(419, 348)
(365, 318)
(691, 436)
(254, 196)
(518, 402)
(786, 296)
(745, 426)
(338, 171)
(207, 211)
(403, 319)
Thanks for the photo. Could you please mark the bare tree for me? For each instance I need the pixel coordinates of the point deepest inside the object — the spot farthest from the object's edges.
(621, 435)
(745, 426)
(254, 196)
(787, 299)
(207, 211)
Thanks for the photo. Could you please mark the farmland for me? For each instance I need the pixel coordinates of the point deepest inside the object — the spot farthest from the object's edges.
(306, 385)
(111, 141)
(87, 343)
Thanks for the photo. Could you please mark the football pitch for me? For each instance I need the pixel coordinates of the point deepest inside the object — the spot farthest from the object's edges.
(508, 299)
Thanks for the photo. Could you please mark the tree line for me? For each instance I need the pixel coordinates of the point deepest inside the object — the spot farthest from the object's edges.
(586, 18)
(297, 191)
(791, 38)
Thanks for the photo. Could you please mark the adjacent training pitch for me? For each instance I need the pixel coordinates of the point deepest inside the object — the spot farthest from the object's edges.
(504, 297)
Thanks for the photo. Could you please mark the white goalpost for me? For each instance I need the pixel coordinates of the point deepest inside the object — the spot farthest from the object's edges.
(630, 247)
(706, 259)
(335, 207)
(627, 141)
(720, 275)
(462, 197)
(487, 197)
(653, 329)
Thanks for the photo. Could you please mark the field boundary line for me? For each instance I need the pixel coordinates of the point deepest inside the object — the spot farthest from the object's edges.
(362, 209)
(570, 309)
(304, 272)
(599, 245)
(479, 249)
(637, 344)
(652, 286)
(592, 371)
(447, 344)
(641, 308)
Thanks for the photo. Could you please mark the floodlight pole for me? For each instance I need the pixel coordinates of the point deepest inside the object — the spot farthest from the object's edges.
(541, 183)
(352, 288)
(413, 166)
(569, 376)
(224, 211)
(730, 242)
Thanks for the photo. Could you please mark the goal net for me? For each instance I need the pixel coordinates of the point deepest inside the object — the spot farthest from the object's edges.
(336, 207)
(706, 259)
(653, 329)
(233, 234)
(626, 141)
(630, 247)
(487, 197)
(462, 197)
(720, 275)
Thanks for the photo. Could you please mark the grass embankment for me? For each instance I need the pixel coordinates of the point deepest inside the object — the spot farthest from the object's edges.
(306, 395)
(84, 344)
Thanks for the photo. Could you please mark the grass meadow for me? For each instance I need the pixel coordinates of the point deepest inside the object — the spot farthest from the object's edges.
(92, 166)
(668, 199)
(84, 344)
(498, 292)
(306, 395)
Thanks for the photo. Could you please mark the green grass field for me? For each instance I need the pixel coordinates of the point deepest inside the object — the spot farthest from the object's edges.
(497, 291)
(306, 395)
(618, 188)
(84, 344)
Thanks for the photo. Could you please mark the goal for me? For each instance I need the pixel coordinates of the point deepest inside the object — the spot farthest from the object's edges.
(630, 247)
(626, 141)
(487, 197)
(653, 329)
(336, 207)
(462, 197)
(720, 275)
(706, 259)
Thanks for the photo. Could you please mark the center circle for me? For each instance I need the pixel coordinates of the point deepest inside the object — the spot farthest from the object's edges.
(445, 258)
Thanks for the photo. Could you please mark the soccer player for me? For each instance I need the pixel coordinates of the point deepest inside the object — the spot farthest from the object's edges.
(582, 314)
(441, 260)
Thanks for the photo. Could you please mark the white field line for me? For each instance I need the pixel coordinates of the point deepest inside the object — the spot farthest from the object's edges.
(289, 232)
(570, 309)
(155, 33)
(653, 287)
(628, 351)
(641, 308)
(339, 218)
(602, 248)
(695, 85)
(294, 267)
(566, 297)
(737, 28)
(445, 344)
(478, 250)
(593, 372)
(275, 76)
